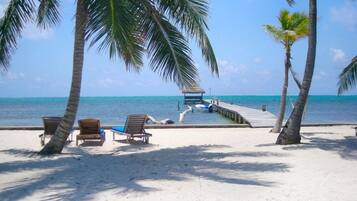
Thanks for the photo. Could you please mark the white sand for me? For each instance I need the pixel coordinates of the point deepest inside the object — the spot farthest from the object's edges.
(185, 164)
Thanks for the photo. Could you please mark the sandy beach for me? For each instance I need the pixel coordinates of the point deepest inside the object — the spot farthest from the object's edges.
(185, 164)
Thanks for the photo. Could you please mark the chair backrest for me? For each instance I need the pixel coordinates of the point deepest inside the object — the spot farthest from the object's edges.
(135, 123)
(89, 126)
(50, 124)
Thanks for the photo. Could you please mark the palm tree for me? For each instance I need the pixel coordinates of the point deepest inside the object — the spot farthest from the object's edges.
(127, 29)
(292, 28)
(348, 77)
(291, 131)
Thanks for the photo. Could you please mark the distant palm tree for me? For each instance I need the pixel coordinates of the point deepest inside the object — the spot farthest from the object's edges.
(291, 131)
(348, 77)
(292, 28)
(125, 28)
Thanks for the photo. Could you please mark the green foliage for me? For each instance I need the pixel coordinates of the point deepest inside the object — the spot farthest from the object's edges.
(292, 28)
(48, 13)
(169, 50)
(348, 77)
(191, 16)
(17, 14)
(114, 25)
(127, 29)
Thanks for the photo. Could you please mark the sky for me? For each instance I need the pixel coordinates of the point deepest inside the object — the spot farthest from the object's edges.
(250, 61)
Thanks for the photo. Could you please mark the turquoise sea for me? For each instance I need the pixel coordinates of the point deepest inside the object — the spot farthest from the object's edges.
(113, 110)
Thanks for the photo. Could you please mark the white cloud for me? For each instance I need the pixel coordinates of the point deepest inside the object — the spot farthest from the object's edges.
(346, 15)
(264, 73)
(109, 82)
(337, 55)
(33, 33)
(320, 75)
(235, 75)
(228, 69)
(13, 76)
(257, 60)
(39, 79)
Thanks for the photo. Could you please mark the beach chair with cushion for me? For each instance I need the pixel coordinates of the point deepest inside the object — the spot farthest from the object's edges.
(133, 128)
(89, 129)
(50, 125)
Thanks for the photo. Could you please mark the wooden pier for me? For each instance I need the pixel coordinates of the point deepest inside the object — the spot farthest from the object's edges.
(244, 115)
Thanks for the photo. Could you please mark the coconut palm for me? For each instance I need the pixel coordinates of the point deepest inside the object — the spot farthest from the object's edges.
(292, 28)
(291, 131)
(126, 29)
(348, 77)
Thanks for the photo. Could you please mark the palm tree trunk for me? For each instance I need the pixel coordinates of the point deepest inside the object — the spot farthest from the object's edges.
(284, 92)
(57, 142)
(291, 131)
(294, 74)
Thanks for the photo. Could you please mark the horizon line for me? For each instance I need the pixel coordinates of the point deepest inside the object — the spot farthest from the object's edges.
(4, 97)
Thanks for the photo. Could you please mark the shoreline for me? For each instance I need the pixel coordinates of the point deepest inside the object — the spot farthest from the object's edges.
(131, 96)
(185, 126)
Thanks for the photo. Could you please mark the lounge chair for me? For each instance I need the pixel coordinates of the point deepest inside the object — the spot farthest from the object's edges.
(89, 129)
(50, 125)
(134, 128)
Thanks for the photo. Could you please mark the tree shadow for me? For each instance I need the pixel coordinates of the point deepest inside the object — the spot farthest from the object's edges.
(346, 148)
(81, 175)
(316, 133)
(127, 147)
(91, 143)
(19, 152)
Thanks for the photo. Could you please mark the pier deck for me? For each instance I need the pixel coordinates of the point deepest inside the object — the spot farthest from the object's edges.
(253, 117)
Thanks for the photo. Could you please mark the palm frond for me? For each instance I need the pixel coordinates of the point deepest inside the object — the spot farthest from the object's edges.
(115, 26)
(291, 2)
(17, 13)
(191, 15)
(300, 24)
(348, 77)
(168, 49)
(284, 19)
(48, 13)
(292, 27)
(277, 33)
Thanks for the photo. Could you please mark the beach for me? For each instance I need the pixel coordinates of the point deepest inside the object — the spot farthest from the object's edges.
(185, 164)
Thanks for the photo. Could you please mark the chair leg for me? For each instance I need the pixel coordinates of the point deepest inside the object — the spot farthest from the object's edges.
(76, 142)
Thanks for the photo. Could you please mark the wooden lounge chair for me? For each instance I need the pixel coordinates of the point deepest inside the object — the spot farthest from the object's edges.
(89, 129)
(50, 125)
(134, 128)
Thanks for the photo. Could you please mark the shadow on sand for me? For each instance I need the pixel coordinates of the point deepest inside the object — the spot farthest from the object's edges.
(346, 147)
(81, 175)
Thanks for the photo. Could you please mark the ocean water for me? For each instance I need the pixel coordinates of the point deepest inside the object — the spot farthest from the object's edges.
(113, 110)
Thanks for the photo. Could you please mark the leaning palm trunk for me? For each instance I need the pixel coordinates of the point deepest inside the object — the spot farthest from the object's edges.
(55, 145)
(291, 131)
(296, 79)
(284, 92)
